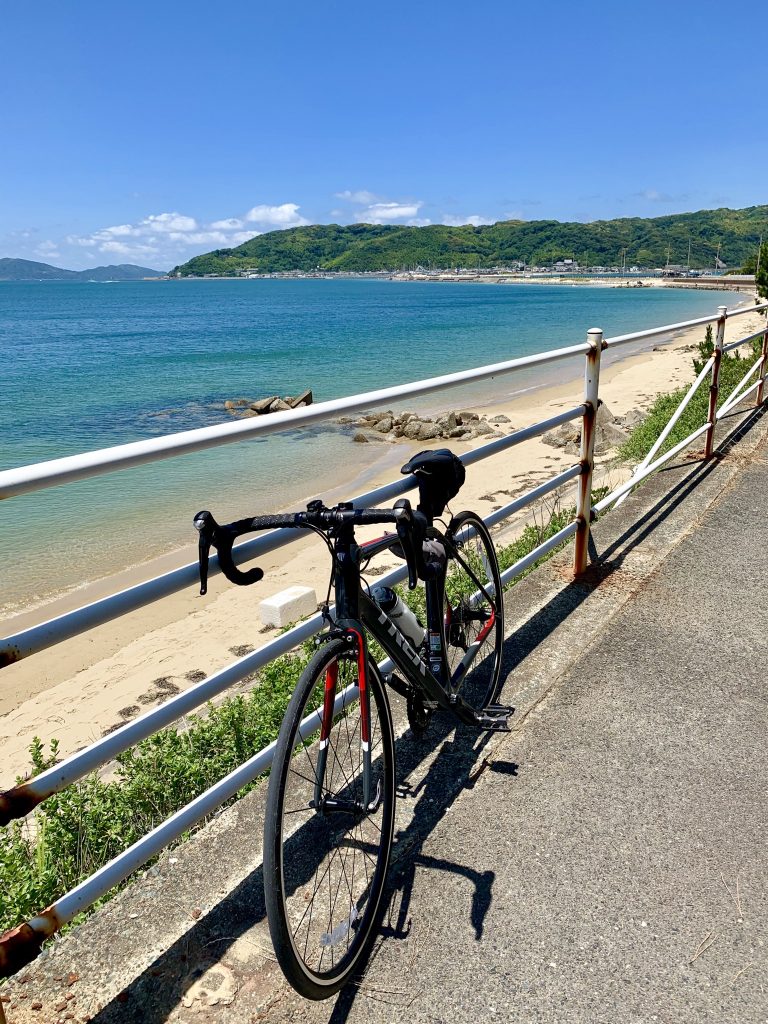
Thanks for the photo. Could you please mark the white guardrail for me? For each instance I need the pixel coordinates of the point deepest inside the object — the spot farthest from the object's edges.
(21, 944)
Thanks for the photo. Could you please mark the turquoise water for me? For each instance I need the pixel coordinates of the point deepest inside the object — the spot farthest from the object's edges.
(92, 365)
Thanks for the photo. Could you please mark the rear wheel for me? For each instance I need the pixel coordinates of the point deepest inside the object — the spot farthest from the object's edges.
(474, 611)
(325, 865)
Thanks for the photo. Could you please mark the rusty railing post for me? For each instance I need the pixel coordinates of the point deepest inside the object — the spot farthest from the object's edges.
(714, 389)
(587, 455)
(763, 369)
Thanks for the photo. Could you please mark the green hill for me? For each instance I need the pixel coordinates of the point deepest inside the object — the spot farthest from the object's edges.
(29, 270)
(369, 247)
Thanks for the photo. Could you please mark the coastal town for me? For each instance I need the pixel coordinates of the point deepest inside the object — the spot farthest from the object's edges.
(565, 271)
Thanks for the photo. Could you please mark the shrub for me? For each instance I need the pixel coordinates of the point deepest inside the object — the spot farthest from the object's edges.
(643, 437)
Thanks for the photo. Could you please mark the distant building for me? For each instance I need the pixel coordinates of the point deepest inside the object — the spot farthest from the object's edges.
(566, 267)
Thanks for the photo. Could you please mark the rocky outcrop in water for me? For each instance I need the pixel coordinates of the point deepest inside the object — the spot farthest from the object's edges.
(244, 407)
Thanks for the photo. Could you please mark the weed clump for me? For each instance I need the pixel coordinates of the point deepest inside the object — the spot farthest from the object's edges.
(732, 369)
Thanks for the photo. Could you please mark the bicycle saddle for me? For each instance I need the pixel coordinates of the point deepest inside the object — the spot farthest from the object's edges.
(440, 475)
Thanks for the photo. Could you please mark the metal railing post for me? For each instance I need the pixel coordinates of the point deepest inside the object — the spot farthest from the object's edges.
(587, 455)
(763, 369)
(714, 389)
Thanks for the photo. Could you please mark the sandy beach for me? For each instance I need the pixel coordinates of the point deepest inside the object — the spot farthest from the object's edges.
(80, 689)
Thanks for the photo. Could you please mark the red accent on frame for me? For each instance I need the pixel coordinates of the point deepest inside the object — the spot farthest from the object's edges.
(374, 541)
(362, 682)
(487, 627)
(329, 697)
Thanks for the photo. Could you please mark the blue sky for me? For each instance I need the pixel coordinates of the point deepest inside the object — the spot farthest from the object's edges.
(148, 133)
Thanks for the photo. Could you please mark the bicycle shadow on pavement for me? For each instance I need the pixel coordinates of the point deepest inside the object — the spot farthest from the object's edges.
(457, 766)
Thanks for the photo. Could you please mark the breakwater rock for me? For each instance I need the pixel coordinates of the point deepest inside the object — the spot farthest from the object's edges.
(460, 424)
(245, 407)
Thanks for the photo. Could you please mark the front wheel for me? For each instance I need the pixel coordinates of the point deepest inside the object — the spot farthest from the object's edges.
(474, 611)
(326, 850)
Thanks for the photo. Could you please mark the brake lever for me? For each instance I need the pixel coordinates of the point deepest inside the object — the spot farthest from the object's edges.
(222, 538)
(203, 522)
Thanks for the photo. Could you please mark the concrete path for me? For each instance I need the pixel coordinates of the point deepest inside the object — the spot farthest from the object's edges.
(604, 863)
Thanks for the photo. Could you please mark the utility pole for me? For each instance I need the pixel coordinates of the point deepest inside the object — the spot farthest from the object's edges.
(759, 253)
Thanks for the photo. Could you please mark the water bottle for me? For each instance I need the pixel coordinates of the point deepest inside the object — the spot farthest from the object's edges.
(400, 613)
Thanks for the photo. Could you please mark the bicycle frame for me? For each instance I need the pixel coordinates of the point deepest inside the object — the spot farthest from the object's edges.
(357, 615)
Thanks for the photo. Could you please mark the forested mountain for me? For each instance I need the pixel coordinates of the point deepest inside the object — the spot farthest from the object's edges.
(29, 270)
(363, 247)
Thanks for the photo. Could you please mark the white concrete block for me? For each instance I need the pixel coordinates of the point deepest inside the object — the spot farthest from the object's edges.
(289, 605)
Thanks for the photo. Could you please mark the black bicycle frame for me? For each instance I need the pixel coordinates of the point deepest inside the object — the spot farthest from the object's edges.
(357, 614)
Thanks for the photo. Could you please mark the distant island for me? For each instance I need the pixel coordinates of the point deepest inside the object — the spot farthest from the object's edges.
(28, 270)
(708, 239)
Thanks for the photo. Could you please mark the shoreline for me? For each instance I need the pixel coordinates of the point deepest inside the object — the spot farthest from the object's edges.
(102, 529)
(579, 281)
(78, 690)
(38, 610)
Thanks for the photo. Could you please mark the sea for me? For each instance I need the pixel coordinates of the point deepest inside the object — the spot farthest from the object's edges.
(91, 365)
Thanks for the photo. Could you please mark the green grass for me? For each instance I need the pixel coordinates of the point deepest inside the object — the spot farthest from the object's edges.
(643, 437)
(83, 827)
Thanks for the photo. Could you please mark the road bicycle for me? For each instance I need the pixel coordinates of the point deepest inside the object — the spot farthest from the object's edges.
(331, 799)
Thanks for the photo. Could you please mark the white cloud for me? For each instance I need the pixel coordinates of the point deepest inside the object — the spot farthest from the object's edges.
(121, 231)
(168, 222)
(384, 213)
(418, 222)
(378, 210)
(242, 236)
(200, 237)
(172, 237)
(48, 250)
(284, 216)
(474, 219)
(228, 224)
(134, 250)
(366, 198)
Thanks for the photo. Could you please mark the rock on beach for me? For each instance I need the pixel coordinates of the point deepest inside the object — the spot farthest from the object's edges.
(459, 424)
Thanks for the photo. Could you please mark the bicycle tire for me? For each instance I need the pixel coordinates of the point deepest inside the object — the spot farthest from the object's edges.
(471, 561)
(321, 938)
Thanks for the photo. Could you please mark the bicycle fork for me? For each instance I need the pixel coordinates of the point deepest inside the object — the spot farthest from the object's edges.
(329, 804)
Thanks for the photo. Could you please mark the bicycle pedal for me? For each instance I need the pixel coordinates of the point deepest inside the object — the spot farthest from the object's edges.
(495, 717)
